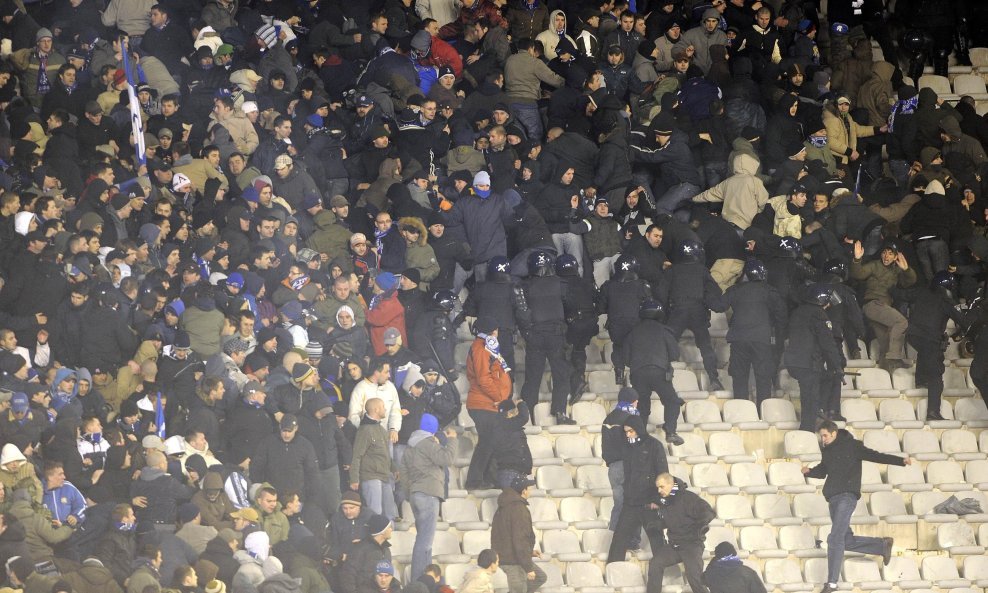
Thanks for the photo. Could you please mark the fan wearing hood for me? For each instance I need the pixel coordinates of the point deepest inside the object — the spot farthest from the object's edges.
(876, 94)
(703, 37)
(555, 32)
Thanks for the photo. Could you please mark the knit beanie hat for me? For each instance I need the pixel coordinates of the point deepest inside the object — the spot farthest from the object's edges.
(429, 423)
(267, 34)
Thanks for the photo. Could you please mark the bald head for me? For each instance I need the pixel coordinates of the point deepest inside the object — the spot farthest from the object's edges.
(375, 408)
(290, 359)
(157, 460)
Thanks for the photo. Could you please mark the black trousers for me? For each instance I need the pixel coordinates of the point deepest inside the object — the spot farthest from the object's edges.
(653, 379)
(810, 387)
(618, 331)
(929, 369)
(748, 355)
(696, 318)
(480, 470)
(578, 336)
(546, 343)
(690, 556)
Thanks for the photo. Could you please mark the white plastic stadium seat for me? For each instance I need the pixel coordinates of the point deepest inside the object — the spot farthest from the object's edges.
(788, 477)
(750, 478)
(729, 448)
(625, 577)
(563, 545)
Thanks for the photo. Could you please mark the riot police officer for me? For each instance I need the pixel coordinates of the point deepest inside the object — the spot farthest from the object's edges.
(651, 349)
(434, 333)
(811, 353)
(543, 324)
(846, 317)
(581, 319)
(928, 314)
(494, 299)
(758, 322)
(619, 299)
(693, 293)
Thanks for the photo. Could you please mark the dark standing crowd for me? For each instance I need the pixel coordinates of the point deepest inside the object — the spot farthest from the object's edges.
(240, 239)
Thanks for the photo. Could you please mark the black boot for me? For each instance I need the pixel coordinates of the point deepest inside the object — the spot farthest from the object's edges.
(619, 376)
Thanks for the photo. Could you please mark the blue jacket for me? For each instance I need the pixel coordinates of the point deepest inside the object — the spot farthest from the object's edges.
(64, 501)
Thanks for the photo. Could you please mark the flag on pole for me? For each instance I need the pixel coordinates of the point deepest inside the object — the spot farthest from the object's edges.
(136, 124)
(159, 416)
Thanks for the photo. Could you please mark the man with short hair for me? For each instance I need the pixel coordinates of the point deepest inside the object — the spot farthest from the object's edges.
(513, 538)
(372, 469)
(841, 466)
(287, 461)
(272, 520)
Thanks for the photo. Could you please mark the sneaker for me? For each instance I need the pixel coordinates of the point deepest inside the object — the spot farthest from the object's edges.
(836, 417)
(829, 588)
(715, 385)
(934, 415)
(854, 354)
(564, 420)
(673, 438)
(887, 551)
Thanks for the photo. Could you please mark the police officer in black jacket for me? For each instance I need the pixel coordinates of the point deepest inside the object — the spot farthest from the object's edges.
(928, 314)
(619, 299)
(645, 459)
(434, 335)
(758, 322)
(543, 324)
(494, 299)
(811, 353)
(692, 295)
(650, 350)
(581, 319)
(846, 317)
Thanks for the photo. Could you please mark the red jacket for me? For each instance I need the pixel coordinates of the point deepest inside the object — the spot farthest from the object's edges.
(442, 54)
(387, 313)
(469, 16)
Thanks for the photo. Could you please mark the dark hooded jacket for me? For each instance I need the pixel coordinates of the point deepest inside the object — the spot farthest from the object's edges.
(643, 461)
(784, 133)
(684, 516)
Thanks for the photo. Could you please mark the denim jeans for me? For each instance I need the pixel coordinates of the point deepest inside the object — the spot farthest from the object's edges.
(337, 187)
(529, 117)
(518, 579)
(425, 508)
(603, 268)
(841, 537)
(572, 244)
(933, 256)
(378, 495)
(900, 172)
(675, 196)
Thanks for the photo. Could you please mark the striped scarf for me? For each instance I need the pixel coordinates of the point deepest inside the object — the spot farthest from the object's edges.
(44, 85)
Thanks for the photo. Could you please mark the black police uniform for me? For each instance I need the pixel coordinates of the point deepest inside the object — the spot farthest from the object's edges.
(810, 354)
(651, 349)
(581, 325)
(619, 299)
(693, 293)
(928, 316)
(494, 299)
(543, 325)
(757, 324)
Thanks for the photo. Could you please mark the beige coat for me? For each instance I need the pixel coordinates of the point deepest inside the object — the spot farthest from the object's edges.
(743, 194)
(785, 224)
(843, 134)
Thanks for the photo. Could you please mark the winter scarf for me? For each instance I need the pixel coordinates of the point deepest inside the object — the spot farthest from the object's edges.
(906, 107)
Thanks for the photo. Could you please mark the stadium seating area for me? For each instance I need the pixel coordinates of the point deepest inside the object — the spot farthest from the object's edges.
(961, 80)
(746, 462)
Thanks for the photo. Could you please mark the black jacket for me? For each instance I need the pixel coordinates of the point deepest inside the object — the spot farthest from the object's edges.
(108, 340)
(929, 312)
(841, 465)
(683, 515)
(357, 574)
(164, 494)
(651, 344)
(643, 462)
(286, 466)
(246, 426)
(510, 443)
(731, 576)
(760, 314)
(811, 341)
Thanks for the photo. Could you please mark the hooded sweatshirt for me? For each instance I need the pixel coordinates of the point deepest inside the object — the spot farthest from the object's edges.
(550, 37)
